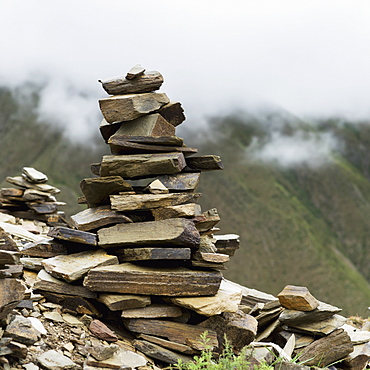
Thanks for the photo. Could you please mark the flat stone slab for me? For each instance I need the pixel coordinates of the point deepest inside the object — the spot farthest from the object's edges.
(71, 235)
(142, 165)
(171, 232)
(117, 302)
(227, 299)
(153, 311)
(134, 279)
(131, 106)
(72, 267)
(46, 282)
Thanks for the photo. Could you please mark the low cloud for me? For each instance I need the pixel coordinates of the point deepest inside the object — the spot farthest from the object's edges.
(300, 148)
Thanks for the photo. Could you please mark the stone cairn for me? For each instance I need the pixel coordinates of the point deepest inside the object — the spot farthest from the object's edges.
(32, 198)
(142, 266)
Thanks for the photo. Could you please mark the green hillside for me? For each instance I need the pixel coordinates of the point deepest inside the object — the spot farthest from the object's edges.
(298, 225)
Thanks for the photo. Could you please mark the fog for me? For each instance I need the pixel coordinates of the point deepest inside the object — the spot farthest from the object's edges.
(308, 57)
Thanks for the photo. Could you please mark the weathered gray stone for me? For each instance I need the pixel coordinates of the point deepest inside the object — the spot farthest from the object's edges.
(21, 330)
(53, 360)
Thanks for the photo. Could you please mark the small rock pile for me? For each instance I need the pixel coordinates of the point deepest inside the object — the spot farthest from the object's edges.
(32, 199)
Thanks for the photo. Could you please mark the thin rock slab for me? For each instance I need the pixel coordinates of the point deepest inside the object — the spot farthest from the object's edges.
(98, 217)
(119, 146)
(79, 305)
(172, 232)
(151, 254)
(140, 83)
(45, 248)
(117, 302)
(159, 353)
(239, 328)
(131, 106)
(71, 235)
(135, 202)
(153, 311)
(207, 220)
(136, 71)
(204, 163)
(21, 330)
(75, 266)
(227, 243)
(323, 327)
(133, 279)
(297, 298)
(173, 113)
(327, 350)
(97, 190)
(181, 181)
(142, 165)
(322, 312)
(32, 175)
(183, 348)
(45, 281)
(173, 331)
(189, 210)
(227, 299)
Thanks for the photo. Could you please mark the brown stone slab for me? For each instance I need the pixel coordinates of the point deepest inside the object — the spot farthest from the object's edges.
(227, 244)
(173, 331)
(208, 265)
(45, 248)
(205, 163)
(322, 312)
(97, 217)
(157, 352)
(73, 267)
(97, 190)
(145, 254)
(183, 348)
(327, 350)
(153, 311)
(117, 302)
(227, 299)
(135, 72)
(207, 220)
(107, 130)
(140, 83)
(132, 106)
(74, 303)
(148, 125)
(173, 113)
(45, 281)
(71, 235)
(297, 298)
(34, 195)
(142, 165)
(11, 271)
(134, 202)
(211, 257)
(152, 140)
(127, 147)
(172, 232)
(101, 331)
(189, 210)
(134, 279)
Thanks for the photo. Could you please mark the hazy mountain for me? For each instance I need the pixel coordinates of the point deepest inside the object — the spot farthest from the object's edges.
(296, 192)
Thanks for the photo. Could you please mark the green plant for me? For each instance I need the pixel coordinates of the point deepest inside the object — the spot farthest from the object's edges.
(227, 360)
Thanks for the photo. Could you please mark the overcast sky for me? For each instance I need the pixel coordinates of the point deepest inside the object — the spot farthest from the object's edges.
(310, 57)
